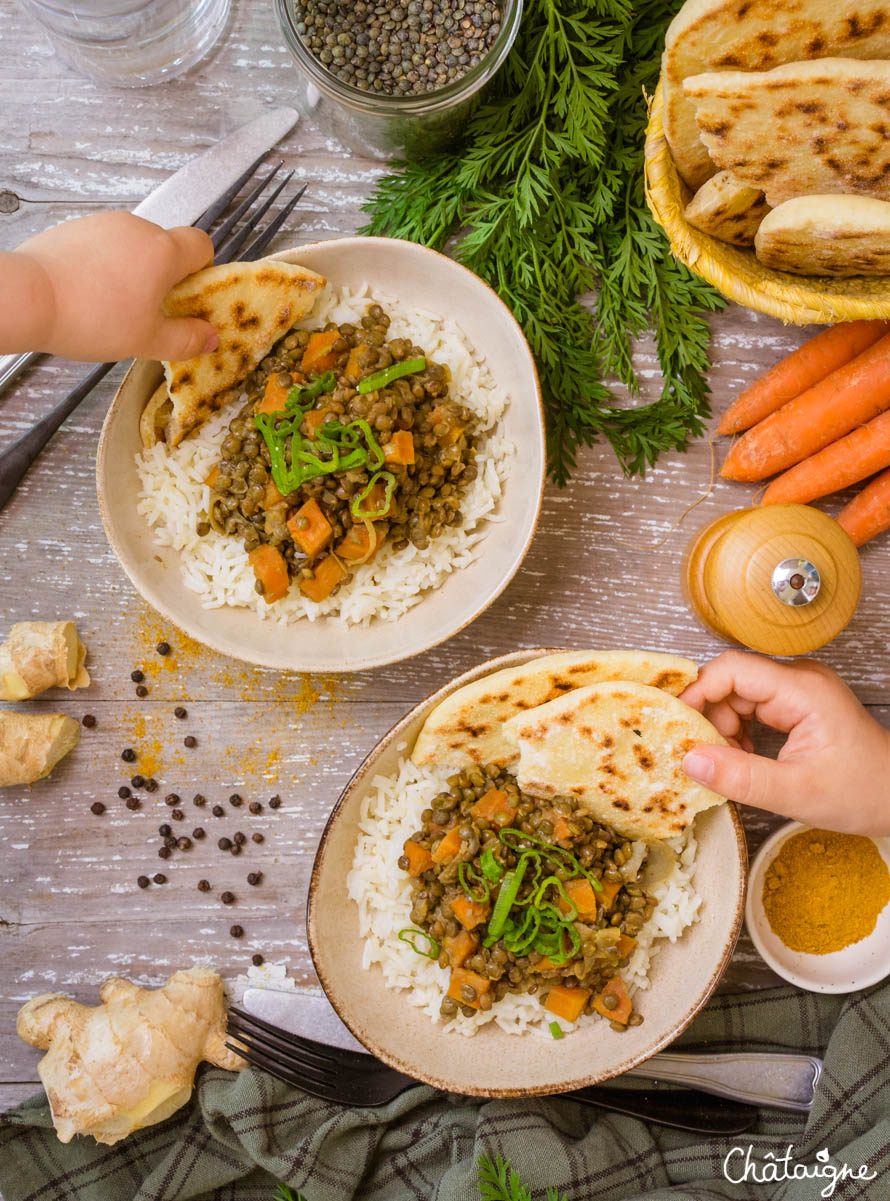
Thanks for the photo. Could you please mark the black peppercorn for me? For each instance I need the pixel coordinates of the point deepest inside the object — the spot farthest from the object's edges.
(123, 792)
(171, 799)
(227, 898)
(225, 844)
(236, 799)
(177, 815)
(143, 881)
(275, 802)
(254, 877)
(88, 720)
(141, 690)
(159, 878)
(137, 781)
(190, 740)
(198, 832)
(184, 844)
(164, 830)
(170, 842)
(236, 848)
(180, 712)
(236, 931)
(257, 837)
(128, 755)
(255, 807)
(217, 811)
(133, 802)
(164, 852)
(151, 784)
(199, 800)
(97, 807)
(204, 886)
(136, 676)
(256, 959)
(163, 648)
(239, 838)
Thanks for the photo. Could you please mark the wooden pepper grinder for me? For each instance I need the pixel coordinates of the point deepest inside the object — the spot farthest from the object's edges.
(780, 579)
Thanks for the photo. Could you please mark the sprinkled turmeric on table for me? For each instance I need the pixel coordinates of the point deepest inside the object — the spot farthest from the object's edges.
(824, 890)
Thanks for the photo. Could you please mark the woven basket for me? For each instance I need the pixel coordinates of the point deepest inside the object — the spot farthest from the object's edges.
(737, 273)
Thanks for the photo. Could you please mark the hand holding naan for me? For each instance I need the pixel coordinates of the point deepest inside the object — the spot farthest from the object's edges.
(834, 768)
(92, 289)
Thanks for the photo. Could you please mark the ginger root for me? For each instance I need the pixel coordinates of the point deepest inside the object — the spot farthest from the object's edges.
(38, 655)
(31, 744)
(129, 1062)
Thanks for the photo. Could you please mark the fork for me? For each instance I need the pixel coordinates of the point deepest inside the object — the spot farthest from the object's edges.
(16, 459)
(352, 1078)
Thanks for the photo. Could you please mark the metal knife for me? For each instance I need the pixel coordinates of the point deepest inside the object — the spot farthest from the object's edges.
(183, 197)
(778, 1081)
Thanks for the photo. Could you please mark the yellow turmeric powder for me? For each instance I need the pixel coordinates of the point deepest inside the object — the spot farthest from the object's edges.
(824, 891)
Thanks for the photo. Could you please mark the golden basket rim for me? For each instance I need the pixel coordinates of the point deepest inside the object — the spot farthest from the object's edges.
(736, 272)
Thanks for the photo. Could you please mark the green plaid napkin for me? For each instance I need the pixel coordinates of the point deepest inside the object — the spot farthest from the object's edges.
(244, 1133)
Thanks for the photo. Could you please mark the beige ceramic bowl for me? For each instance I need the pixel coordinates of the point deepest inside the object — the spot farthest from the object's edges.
(418, 277)
(494, 1063)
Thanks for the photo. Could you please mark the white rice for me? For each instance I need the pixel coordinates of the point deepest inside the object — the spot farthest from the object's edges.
(382, 891)
(173, 497)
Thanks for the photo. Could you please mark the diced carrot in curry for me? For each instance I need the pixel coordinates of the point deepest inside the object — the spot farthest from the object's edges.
(580, 893)
(270, 569)
(494, 807)
(543, 965)
(399, 450)
(567, 1003)
(316, 535)
(275, 396)
(375, 500)
(212, 477)
(610, 891)
(316, 417)
(318, 356)
(624, 1006)
(328, 574)
(469, 913)
(442, 416)
(353, 369)
(460, 977)
(356, 543)
(625, 945)
(448, 846)
(460, 947)
(419, 858)
(560, 825)
(271, 497)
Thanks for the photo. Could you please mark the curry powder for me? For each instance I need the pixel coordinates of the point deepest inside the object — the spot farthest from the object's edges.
(824, 891)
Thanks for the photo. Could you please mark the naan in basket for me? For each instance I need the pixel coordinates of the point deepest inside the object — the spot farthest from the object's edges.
(728, 209)
(827, 235)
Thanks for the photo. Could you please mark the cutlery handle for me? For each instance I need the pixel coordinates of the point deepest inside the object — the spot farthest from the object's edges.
(12, 364)
(780, 1081)
(680, 1108)
(17, 458)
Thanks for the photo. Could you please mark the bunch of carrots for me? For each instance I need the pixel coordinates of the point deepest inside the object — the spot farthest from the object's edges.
(820, 421)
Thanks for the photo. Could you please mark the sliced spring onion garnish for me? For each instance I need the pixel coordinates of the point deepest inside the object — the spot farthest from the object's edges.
(556, 1030)
(409, 935)
(510, 886)
(380, 379)
(475, 888)
(491, 869)
(356, 505)
(302, 394)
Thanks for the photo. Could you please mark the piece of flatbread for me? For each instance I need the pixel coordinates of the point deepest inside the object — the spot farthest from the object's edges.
(756, 35)
(801, 129)
(617, 748)
(467, 727)
(827, 235)
(728, 209)
(251, 305)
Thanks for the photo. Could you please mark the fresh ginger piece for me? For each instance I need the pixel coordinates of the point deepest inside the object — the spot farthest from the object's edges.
(328, 574)
(129, 1062)
(31, 744)
(38, 655)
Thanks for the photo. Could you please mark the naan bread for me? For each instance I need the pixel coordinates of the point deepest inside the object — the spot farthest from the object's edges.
(467, 727)
(802, 129)
(728, 209)
(618, 749)
(756, 35)
(827, 235)
(252, 305)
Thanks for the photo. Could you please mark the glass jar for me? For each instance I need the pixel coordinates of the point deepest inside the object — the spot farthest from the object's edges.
(391, 126)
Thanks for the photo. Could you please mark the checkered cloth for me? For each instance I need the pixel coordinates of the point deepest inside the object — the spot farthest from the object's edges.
(244, 1133)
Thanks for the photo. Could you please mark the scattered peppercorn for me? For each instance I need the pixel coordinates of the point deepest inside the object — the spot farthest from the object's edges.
(218, 811)
(236, 799)
(136, 676)
(171, 799)
(255, 807)
(151, 784)
(184, 844)
(227, 898)
(163, 648)
(190, 740)
(123, 792)
(275, 802)
(236, 848)
(199, 800)
(164, 830)
(97, 807)
(198, 832)
(133, 802)
(170, 842)
(256, 959)
(164, 852)
(143, 881)
(225, 844)
(141, 690)
(180, 712)
(254, 877)
(88, 720)
(203, 886)
(239, 838)
(128, 755)
(159, 878)
(177, 815)
(137, 781)
(257, 837)
(236, 931)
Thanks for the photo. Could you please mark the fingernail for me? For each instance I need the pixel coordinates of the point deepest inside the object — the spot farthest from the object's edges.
(699, 767)
(212, 342)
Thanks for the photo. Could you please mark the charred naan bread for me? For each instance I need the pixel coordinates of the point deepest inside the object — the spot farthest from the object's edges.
(756, 35)
(468, 727)
(803, 129)
(827, 235)
(728, 209)
(252, 305)
(618, 749)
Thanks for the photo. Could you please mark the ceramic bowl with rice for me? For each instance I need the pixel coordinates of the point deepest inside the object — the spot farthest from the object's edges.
(675, 929)
(416, 587)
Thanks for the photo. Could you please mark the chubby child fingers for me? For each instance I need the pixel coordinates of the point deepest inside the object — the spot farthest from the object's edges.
(191, 249)
(746, 778)
(778, 694)
(178, 338)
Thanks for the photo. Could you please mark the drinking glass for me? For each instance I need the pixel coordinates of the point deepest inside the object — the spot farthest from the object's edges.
(130, 43)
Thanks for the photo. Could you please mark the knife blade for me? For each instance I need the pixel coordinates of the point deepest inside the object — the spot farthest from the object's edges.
(779, 1080)
(185, 195)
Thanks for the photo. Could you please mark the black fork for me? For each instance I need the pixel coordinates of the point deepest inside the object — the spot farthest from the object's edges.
(351, 1078)
(16, 459)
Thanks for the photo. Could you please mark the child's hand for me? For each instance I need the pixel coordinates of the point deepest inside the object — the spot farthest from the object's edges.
(834, 769)
(92, 289)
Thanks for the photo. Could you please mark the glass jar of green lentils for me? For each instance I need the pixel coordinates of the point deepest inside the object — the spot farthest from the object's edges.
(401, 121)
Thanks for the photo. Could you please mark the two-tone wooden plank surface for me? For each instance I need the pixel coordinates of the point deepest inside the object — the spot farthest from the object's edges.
(598, 574)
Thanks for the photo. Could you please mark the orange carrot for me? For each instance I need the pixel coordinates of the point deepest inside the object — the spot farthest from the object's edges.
(469, 913)
(328, 574)
(274, 397)
(624, 1007)
(356, 546)
(813, 361)
(448, 846)
(610, 892)
(580, 893)
(419, 858)
(495, 807)
(309, 528)
(212, 476)
(353, 368)
(839, 465)
(460, 947)
(561, 829)
(271, 496)
(625, 944)
(845, 399)
(270, 569)
(316, 417)
(567, 1003)
(868, 513)
(460, 977)
(318, 356)
(399, 450)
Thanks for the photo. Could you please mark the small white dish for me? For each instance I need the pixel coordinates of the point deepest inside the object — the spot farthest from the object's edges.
(857, 966)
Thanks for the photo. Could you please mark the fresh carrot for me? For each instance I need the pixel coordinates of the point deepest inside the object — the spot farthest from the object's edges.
(327, 575)
(567, 1003)
(448, 846)
(803, 368)
(309, 528)
(868, 513)
(419, 858)
(580, 893)
(842, 401)
(319, 356)
(469, 913)
(376, 499)
(839, 465)
(399, 450)
(270, 569)
(623, 1007)
(461, 978)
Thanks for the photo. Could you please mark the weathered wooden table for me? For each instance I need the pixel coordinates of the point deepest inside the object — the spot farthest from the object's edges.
(70, 910)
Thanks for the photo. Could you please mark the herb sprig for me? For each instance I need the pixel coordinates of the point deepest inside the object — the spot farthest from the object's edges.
(545, 200)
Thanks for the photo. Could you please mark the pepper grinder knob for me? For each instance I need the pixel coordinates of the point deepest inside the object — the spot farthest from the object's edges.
(796, 581)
